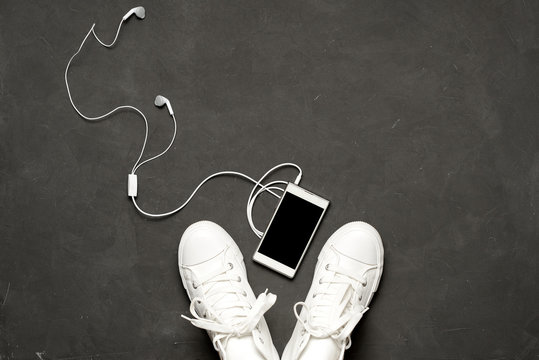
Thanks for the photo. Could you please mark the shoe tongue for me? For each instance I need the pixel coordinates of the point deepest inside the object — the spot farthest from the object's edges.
(316, 349)
(217, 265)
(242, 348)
(339, 289)
(325, 316)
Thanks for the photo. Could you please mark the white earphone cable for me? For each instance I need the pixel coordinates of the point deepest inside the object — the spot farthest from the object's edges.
(257, 189)
(119, 108)
(115, 37)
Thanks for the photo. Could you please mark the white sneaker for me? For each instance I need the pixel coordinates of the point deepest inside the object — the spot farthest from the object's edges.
(222, 302)
(346, 276)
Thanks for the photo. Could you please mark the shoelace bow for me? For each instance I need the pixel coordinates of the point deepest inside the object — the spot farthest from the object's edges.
(226, 317)
(318, 324)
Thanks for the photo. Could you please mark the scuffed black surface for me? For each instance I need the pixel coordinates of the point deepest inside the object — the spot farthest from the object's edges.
(420, 117)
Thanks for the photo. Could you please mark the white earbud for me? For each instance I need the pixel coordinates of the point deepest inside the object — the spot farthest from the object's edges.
(138, 11)
(160, 100)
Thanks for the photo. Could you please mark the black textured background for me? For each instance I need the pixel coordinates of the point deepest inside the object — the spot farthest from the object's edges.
(420, 117)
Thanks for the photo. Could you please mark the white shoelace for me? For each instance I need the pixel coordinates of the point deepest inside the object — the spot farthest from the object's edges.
(320, 321)
(226, 311)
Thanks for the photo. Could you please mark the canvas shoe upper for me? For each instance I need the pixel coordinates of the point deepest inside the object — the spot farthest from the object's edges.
(222, 302)
(346, 276)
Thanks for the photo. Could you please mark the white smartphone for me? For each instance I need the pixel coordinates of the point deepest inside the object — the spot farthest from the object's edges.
(290, 230)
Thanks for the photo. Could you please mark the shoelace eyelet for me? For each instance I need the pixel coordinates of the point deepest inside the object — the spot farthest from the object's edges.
(231, 266)
(194, 285)
(364, 282)
(327, 267)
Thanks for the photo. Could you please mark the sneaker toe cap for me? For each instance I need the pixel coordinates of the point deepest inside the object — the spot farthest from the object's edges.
(200, 242)
(361, 242)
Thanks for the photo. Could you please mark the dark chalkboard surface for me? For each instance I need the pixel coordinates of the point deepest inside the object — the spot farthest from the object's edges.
(419, 117)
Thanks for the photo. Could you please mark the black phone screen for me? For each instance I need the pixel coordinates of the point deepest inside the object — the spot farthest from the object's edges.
(290, 230)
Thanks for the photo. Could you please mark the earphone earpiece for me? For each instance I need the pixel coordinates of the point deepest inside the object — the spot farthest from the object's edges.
(139, 11)
(160, 100)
